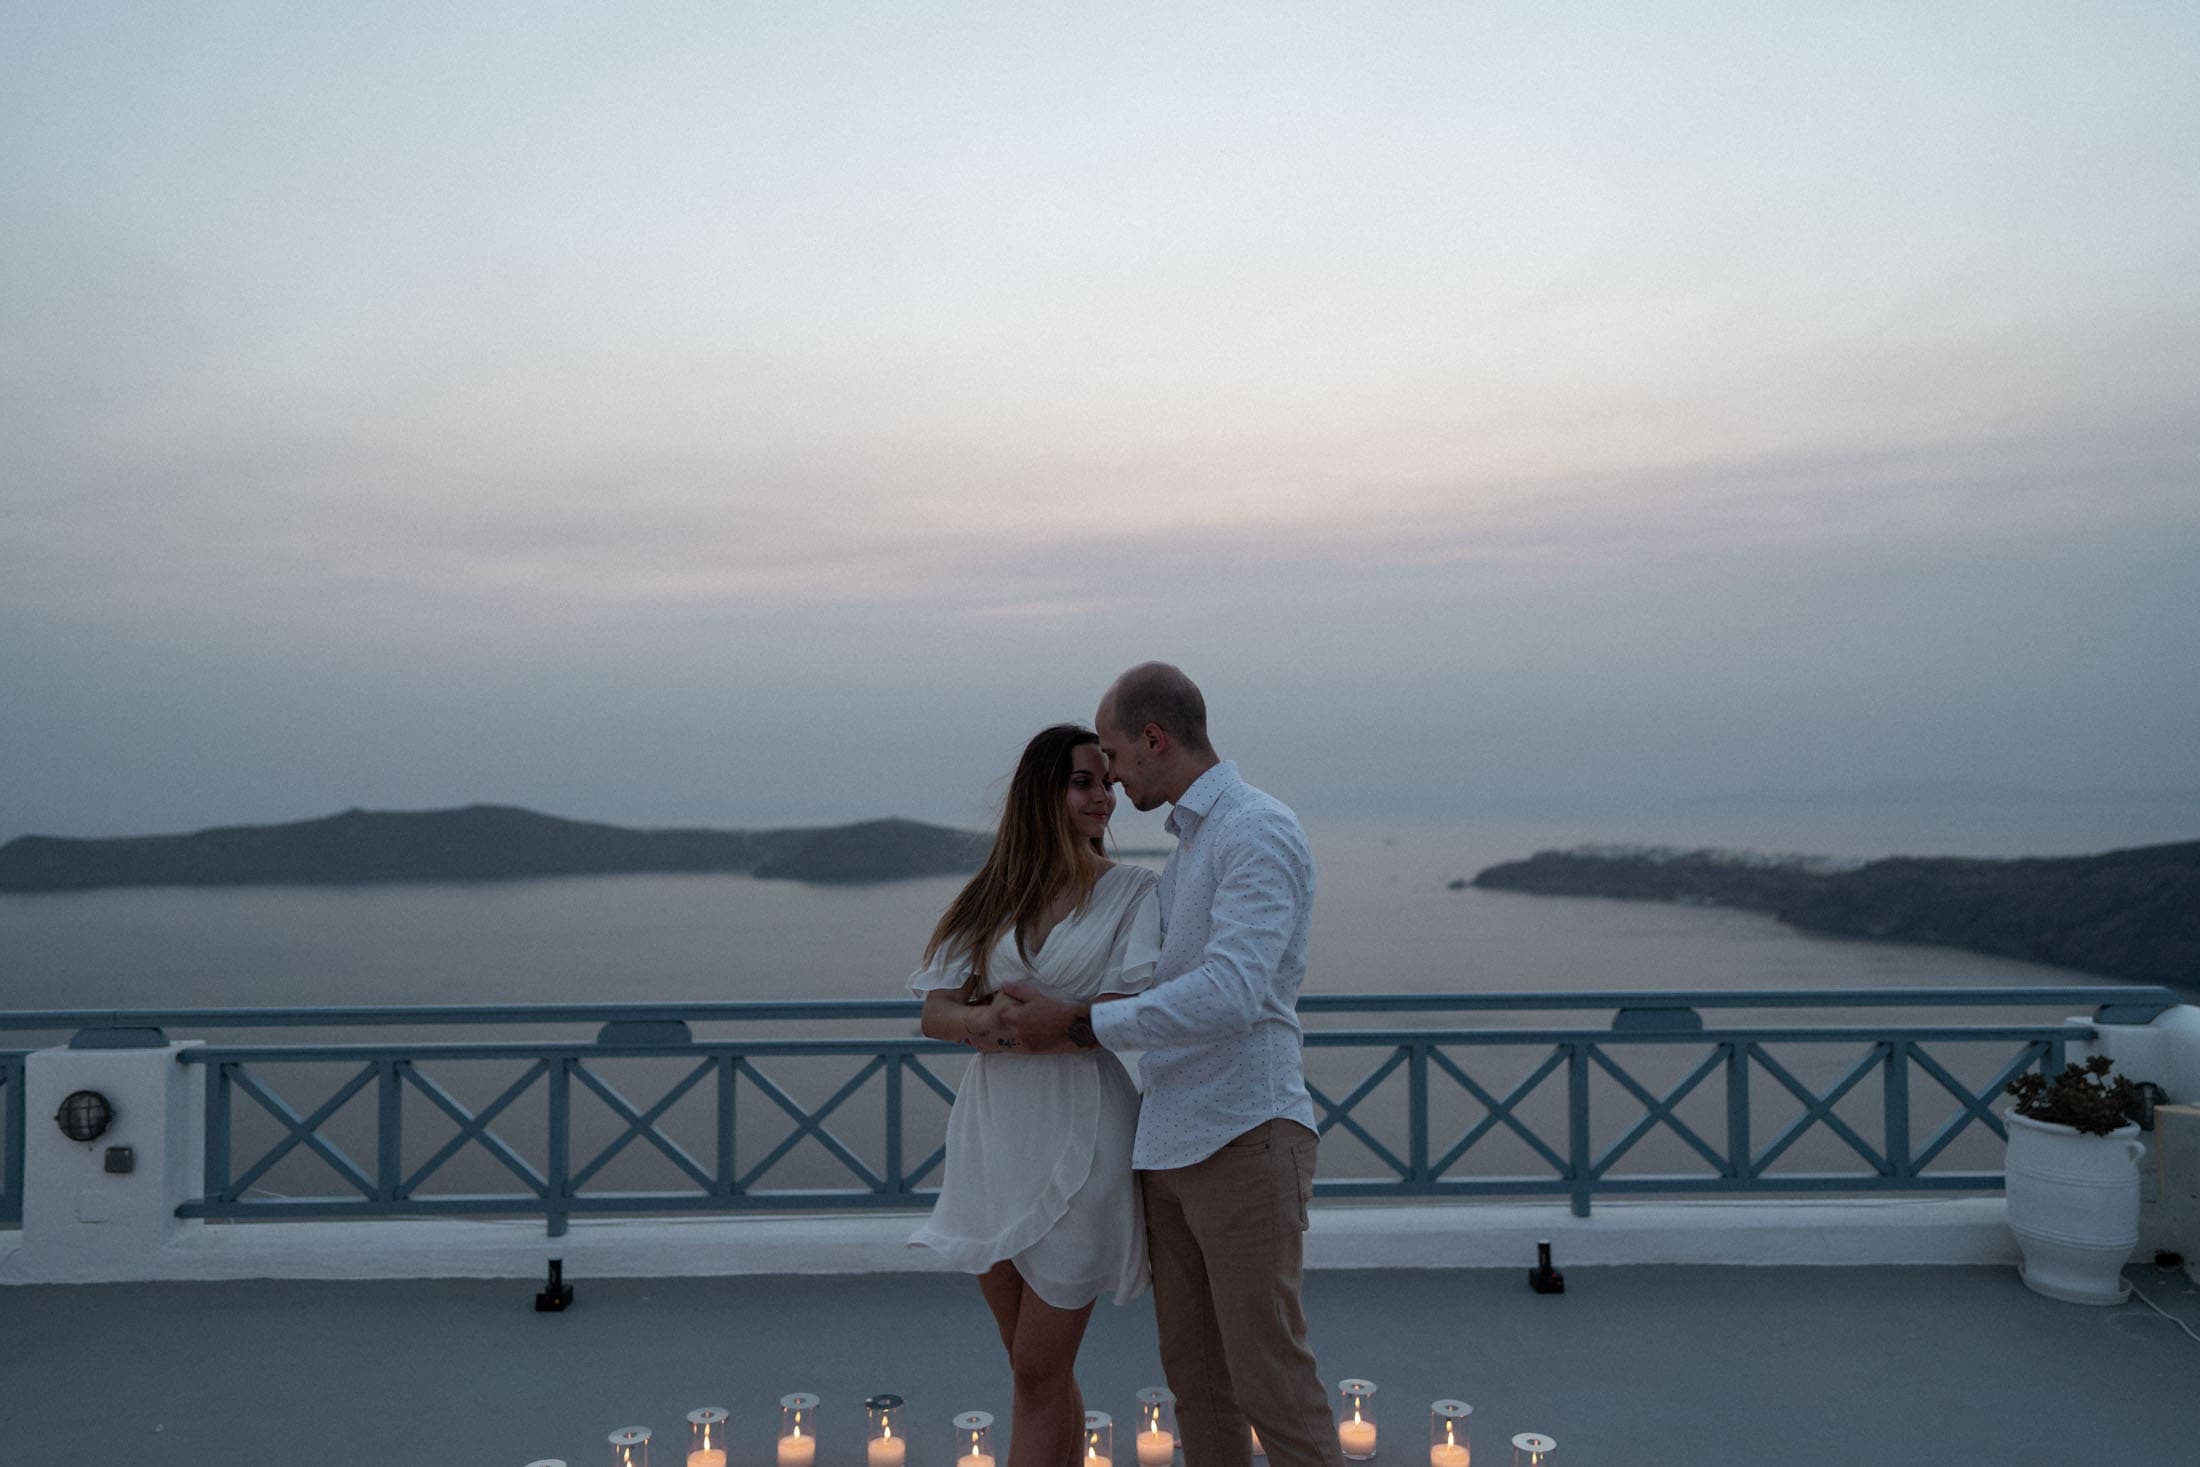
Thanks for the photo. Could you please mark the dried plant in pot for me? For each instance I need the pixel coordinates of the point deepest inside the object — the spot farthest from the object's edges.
(2073, 1181)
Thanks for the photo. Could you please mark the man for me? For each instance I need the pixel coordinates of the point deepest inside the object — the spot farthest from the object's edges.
(1226, 1139)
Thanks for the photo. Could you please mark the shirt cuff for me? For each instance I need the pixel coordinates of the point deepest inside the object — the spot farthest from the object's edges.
(1115, 1023)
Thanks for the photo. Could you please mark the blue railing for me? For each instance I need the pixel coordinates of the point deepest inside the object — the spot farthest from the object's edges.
(647, 1118)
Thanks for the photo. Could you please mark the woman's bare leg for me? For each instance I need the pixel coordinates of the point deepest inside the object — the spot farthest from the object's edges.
(1048, 1421)
(1003, 1288)
(1050, 1411)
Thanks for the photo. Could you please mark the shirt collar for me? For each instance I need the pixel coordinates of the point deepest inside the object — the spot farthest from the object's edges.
(1200, 796)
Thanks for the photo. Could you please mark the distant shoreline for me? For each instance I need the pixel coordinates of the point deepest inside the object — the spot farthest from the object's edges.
(481, 843)
(2130, 914)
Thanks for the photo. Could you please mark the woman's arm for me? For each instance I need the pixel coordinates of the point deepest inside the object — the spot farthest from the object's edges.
(947, 1017)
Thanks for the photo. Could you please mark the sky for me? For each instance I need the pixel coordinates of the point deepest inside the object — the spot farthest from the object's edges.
(746, 415)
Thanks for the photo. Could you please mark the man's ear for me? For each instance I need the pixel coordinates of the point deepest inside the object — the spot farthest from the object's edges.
(1156, 738)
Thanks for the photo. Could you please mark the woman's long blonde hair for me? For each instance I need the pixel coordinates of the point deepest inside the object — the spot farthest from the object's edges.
(1037, 853)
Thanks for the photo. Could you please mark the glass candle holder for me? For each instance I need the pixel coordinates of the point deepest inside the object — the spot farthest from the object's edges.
(1534, 1449)
(548, 1462)
(887, 1447)
(974, 1439)
(1156, 1427)
(630, 1447)
(707, 1437)
(1356, 1419)
(1099, 1439)
(798, 1430)
(1447, 1434)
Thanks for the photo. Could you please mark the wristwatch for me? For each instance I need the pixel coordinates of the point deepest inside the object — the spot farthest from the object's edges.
(1080, 1032)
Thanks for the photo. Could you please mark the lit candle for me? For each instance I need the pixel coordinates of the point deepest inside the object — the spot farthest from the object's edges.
(974, 1437)
(886, 1448)
(1447, 1435)
(1356, 1431)
(798, 1447)
(1534, 1449)
(1156, 1448)
(1099, 1439)
(707, 1437)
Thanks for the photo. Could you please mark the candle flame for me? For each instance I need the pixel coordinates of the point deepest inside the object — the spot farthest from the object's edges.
(1449, 1440)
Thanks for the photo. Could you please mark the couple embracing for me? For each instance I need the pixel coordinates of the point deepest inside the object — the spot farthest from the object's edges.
(1060, 1184)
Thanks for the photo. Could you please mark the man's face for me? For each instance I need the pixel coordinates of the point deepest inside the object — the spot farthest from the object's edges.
(1129, 760)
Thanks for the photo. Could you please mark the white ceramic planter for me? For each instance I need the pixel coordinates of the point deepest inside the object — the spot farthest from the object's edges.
(2074, 1206)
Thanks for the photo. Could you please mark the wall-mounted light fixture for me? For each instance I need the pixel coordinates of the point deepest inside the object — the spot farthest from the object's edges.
(84, 1116)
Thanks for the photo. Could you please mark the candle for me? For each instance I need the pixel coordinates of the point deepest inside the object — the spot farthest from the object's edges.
(707, 1457)
(975, 1459)
(1156, 1448)
(1094, 1459)
(1448, 1454)
(1357, 1437)
(797, 1450)
(887, 1451)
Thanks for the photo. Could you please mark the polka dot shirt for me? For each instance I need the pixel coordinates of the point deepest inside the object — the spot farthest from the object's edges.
(1219, 1032)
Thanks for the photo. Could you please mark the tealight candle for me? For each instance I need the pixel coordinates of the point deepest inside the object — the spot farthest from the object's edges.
(1156, 1427)
(630, 1447)
(1534, 1449)
(798, 1430)
(887, 1446)
(974, 1439)
(1099, 1439)
(1356, 1419)
(1447, 1434)
(707, 1437)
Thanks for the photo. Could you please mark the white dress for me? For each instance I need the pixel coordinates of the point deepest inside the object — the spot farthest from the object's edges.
(1039, 1146)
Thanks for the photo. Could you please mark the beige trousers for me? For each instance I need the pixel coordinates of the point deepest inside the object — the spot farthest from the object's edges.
(1226, 1240)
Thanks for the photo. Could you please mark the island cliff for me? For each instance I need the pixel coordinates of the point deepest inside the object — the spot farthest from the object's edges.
(2131, 914)
(479, 843)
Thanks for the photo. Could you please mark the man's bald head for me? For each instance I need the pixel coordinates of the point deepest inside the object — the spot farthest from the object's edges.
(1158, 693)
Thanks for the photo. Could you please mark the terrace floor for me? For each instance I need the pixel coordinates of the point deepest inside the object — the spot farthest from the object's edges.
(1646, 1366)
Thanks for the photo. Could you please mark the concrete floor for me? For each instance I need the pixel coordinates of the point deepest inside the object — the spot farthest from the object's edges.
(1649, 1367)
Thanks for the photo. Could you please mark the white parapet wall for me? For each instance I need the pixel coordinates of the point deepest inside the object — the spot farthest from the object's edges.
(83, 1223)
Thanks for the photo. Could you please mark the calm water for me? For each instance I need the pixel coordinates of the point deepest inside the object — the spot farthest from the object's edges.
(1384, 923)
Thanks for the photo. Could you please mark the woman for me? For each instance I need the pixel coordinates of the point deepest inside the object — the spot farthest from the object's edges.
(1038, 1198)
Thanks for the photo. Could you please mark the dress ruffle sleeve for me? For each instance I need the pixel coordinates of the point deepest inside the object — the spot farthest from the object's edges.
(944, 971)
(1137, 949)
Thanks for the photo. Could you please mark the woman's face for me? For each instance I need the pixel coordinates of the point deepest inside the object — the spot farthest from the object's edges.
(1091, 798)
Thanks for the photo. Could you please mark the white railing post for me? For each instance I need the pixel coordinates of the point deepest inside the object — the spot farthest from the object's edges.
(84, 1219)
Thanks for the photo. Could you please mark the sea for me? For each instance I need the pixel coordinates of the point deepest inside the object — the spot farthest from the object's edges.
(1386, 921)
(1389, 918)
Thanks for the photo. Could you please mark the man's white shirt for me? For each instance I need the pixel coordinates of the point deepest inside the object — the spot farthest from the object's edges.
(1218, 1033)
